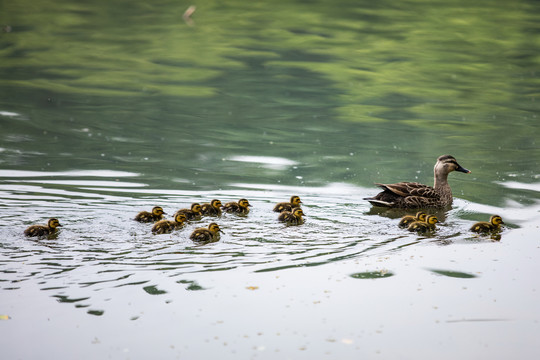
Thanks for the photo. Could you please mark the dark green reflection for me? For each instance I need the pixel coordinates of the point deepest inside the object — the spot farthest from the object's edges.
(454, 274)
(372, 275)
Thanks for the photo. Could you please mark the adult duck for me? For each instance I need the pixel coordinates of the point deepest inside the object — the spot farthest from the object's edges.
(410, 195)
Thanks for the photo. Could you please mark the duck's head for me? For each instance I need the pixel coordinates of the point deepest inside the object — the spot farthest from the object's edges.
(447, 163)
(298, 212)
(496, 220)
(157, 210)
(216, 203)
(431, 219)
(213, 227)
(421, 216)
(295, 201)
(180, 218)
(196, 207)
(53, 223)
(244, 203)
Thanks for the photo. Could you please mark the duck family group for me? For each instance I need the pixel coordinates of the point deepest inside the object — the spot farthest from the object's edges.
(405, 195)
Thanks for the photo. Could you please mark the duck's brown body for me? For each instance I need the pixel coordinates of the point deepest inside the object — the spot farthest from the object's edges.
(424, 226)
(212, 209)
(146, 217)
(42, 230)
(408, 219)
(168, 226)
(194, 213)
(415, 195)
(240, 207)
(483, 227)
(288, 206)
(204, 235)
(292, 218)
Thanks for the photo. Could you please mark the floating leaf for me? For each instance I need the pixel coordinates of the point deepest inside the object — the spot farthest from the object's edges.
(4, 317)
(252, 287)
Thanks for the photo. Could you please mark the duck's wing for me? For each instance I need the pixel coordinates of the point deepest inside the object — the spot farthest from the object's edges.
(405, 189)
(201, 235)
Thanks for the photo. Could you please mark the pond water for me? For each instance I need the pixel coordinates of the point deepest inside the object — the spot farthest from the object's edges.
(110, 108)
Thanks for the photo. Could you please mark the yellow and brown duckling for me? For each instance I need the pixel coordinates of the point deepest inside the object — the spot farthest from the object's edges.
(167, 226)
(408, 219)
(146, 217)
(288, 206)
(212, 209)
(210, 234)
(424, 226)
(42, 230)
(484, 227)
(240, 207)
(194, 213)
(293, 217)
(410, 195)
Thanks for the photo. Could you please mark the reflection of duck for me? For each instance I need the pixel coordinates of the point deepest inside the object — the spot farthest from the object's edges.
(155, 215)
(41, 230)
(240, 207)
(212, 209)
(209, 234)
(292, 218)
(167, 226)
(424, 226)
(408, 219)
(288, 206)
(484, 227)
(416, 195)
(191, 214)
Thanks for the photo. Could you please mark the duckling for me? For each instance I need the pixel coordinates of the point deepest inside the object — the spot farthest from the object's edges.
(288, 206)
(424, 226)
(292, 218)
(410, 195)
(210, 234)
(167, 226)
(212, 209)
(191, 214)
(492, 226)
(146, 217)
(41, 230)
(408, 219)
(240, 207)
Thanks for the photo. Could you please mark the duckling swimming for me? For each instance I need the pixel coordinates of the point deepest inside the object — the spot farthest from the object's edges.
(288, 206)
(167, 226)
(292, 218)
(410, 195)
(155, 215)
(424, 226)
(41, 230)
(492, 226)
(408, 219)
(212, 209)
(210, 234)
(191, 214)
(240, 207)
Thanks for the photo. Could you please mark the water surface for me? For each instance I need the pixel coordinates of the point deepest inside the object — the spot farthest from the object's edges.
(107, 109)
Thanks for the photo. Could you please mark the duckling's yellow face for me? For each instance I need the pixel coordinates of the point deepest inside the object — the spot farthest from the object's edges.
(216, 203)
(295, 201)
(53, 223)
(158, 210)
(496, 220)
(244, 203)
(180, 218)
(196, 207)
(213, 227)
(432, 219)
(421, 216)
(298, 212)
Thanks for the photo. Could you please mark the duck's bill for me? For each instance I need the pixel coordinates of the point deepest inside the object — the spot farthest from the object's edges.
(463, 170)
